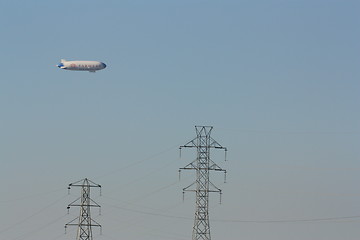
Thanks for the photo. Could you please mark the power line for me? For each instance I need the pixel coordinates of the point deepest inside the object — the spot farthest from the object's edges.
(37, 195)
(26, 235)
(329, 219)
(123, 168)
(290, 132)
(31, 216)
(295, 220)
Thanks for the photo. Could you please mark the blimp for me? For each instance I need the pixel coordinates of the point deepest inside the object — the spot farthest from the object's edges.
(90, 66)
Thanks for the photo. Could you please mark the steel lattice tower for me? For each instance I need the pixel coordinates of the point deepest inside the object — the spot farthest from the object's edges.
(85, 222)
(202, 186)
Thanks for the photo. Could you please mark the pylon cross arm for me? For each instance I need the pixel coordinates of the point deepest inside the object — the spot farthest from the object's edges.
(215, 167)
(190, 144)
(215, 144)
(190, 166)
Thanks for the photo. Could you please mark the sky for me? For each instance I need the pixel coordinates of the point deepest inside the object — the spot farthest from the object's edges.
(277, 79)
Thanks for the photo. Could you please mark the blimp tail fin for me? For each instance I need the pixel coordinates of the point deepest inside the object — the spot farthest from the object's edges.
(62, 60)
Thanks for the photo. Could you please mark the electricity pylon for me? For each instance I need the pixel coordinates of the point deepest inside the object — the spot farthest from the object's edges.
(202, 186)
(85, 222)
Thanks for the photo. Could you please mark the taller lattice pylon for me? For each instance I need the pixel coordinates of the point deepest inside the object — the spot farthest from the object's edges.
(84, 221)
(203, 142)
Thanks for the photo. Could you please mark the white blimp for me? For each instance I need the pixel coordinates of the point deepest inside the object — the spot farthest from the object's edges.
(90, 66)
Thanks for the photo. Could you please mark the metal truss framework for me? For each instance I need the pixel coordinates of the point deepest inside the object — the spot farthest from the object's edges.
(203, 142)
(85, 222)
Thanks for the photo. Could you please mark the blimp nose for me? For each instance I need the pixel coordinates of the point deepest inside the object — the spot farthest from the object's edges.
(103, 65)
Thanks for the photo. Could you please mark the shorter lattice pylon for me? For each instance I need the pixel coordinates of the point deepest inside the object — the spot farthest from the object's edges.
(84, 202)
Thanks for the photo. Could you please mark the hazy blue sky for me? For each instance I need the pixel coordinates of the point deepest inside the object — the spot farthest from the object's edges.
(278, 80)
